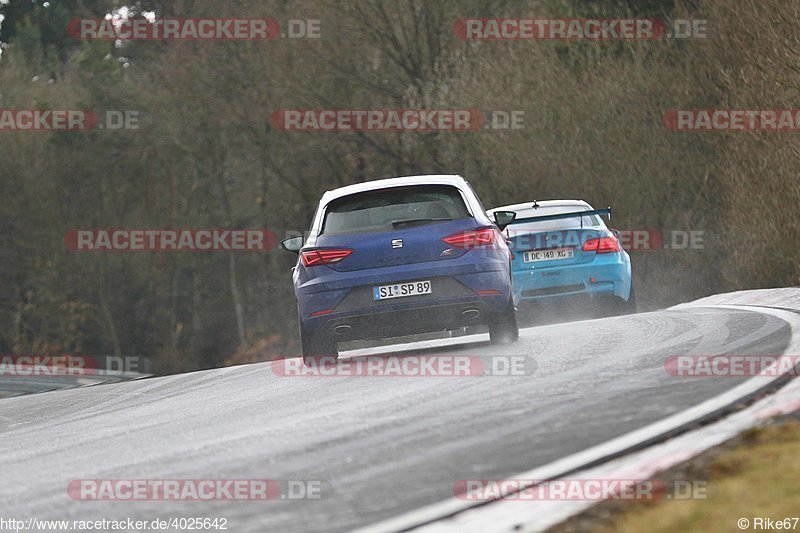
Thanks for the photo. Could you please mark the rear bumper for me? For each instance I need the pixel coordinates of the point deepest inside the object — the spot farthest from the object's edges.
(611, 274)
(353, 314)
(408, 321)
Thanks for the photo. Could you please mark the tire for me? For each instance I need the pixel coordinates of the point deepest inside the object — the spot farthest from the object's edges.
(503, 329)
(630, 305)
(316, 347)
(616, 306)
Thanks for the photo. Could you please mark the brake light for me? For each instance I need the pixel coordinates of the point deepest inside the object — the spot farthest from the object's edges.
(603, 245)
(323, 257)
(471, 239)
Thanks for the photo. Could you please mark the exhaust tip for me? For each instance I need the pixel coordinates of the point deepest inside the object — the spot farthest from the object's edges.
(342, 330)
(470, 314)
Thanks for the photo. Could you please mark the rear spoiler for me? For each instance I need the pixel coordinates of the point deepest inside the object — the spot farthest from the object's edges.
(606, 211)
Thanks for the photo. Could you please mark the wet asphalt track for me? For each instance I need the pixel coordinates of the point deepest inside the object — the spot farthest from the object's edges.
(383, 446)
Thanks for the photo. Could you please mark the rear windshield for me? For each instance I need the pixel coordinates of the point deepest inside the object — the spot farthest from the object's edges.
(396, 208)
(554, 225)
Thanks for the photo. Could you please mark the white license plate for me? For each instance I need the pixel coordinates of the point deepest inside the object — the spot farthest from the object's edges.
(554, 254)
(400, 290)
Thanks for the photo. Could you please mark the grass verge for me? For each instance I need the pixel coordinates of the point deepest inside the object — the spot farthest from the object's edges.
(755, 475)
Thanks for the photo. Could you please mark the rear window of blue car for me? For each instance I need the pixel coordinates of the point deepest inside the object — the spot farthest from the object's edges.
(554, 225)
(395, 208)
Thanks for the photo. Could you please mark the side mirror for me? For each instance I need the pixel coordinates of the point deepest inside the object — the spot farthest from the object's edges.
(293, 244)
(616, 232)
(504, 218)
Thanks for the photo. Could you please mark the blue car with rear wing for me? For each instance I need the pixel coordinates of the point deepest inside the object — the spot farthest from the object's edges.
(401, 256)
(564, 252)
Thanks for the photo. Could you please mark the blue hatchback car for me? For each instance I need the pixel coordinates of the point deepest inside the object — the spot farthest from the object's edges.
(563, 251)
(401, 256)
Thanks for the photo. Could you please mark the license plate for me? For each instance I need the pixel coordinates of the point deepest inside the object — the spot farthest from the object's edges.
(553, 254)
(400, 290)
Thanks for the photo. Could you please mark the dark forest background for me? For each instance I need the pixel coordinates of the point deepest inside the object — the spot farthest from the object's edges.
(205, 154)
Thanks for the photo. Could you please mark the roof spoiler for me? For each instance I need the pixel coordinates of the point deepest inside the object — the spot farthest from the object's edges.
(606, 211)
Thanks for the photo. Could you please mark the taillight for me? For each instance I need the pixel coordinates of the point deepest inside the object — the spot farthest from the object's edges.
(603, 245)
(312, 258)
(471, 239)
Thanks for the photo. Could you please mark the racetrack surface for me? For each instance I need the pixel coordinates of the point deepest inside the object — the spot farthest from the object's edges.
(383, 445)
(12, 385)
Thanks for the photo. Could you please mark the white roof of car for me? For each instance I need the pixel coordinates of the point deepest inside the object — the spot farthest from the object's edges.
(432, 179)
(543, 203)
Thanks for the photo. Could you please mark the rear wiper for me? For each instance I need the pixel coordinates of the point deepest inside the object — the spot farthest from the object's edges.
(398, 223)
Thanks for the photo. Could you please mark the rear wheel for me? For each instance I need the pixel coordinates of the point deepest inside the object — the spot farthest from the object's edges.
(317, 348)
(630, 305)
(617, 306)
(503, 328)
